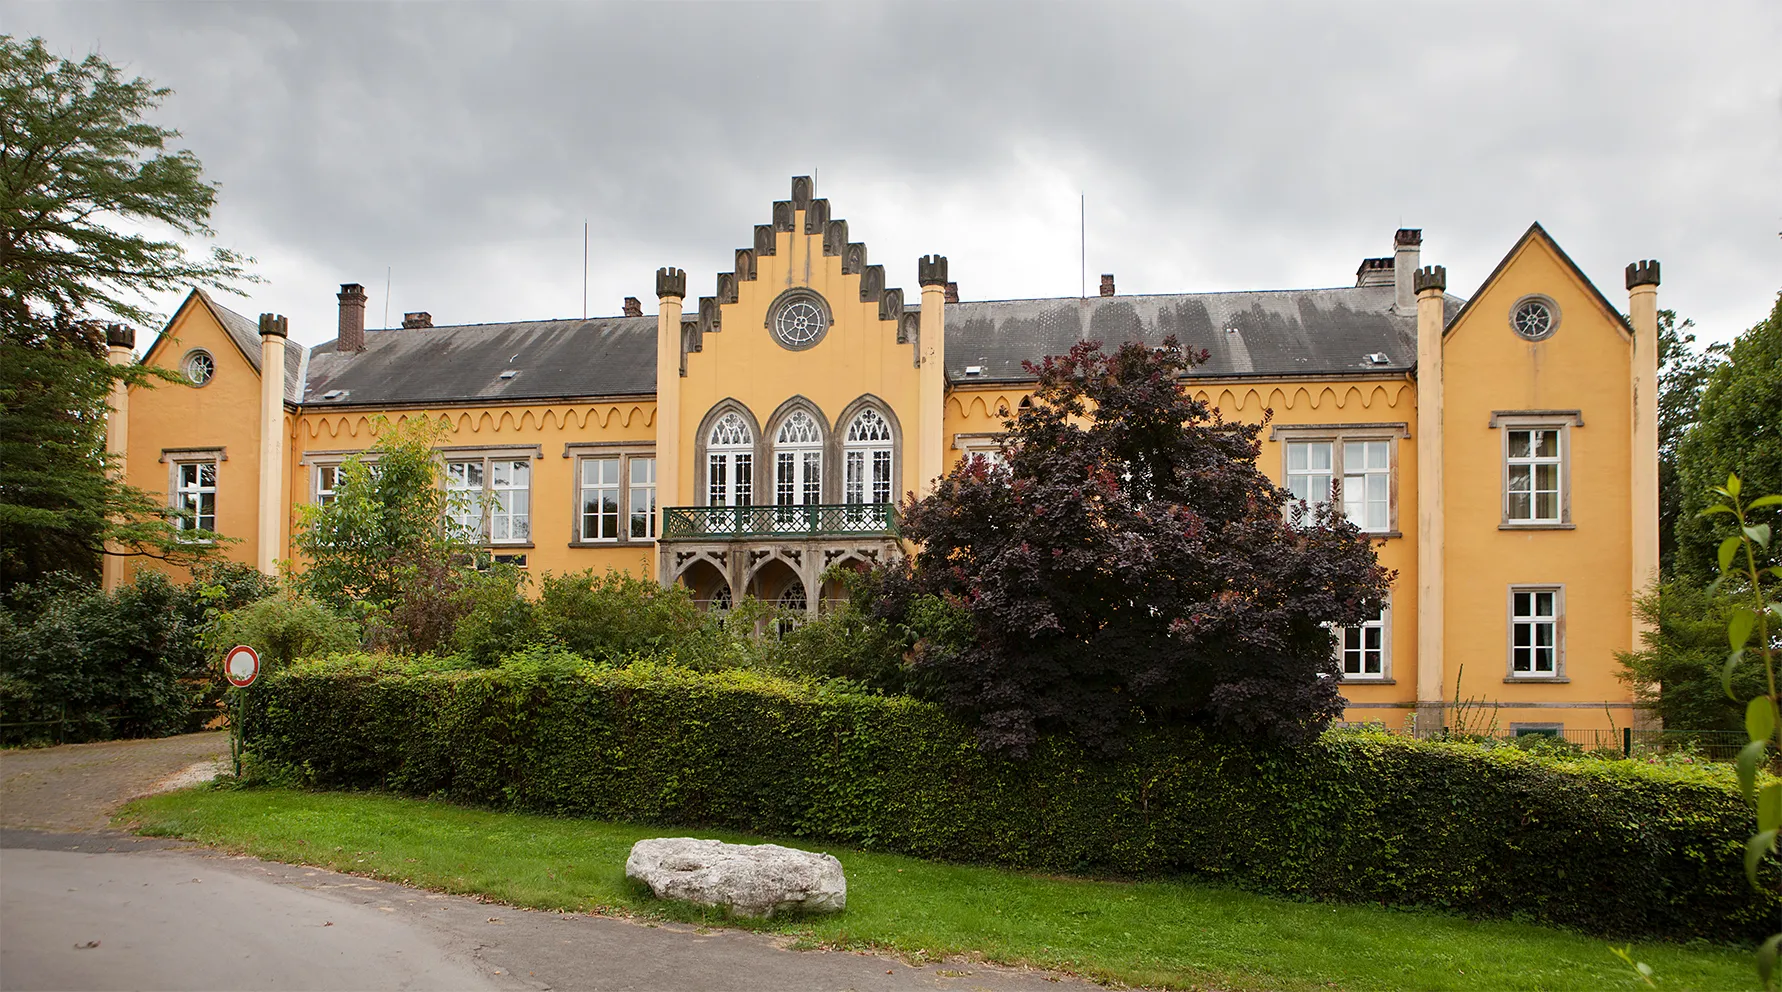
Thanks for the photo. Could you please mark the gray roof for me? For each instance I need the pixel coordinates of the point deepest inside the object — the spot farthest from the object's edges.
(1284, 332)
(246, 335)
(549, 359)
(1279, 332)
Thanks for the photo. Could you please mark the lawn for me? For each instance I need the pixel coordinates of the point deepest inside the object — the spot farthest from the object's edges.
(1168, 934)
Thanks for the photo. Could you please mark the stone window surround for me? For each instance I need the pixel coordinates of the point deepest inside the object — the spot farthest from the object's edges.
(1509, 420)
(624, 451)
(834, 443)
(1336, 434)
(1559, 672)
(1552, 316)
(486, 453)
(1385, 676)
(173, 458)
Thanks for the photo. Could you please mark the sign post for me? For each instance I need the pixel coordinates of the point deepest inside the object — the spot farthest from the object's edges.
(241, 666)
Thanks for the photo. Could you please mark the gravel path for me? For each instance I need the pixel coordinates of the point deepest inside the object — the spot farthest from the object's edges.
(76, 787)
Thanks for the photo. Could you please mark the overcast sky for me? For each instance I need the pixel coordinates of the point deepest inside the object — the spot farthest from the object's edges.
(460, 147)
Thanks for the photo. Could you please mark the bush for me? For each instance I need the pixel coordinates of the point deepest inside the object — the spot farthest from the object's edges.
(618, 615)
(127, 664)
(1618, 848)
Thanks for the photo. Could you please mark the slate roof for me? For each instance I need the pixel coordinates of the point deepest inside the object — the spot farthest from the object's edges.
(246, 335)
(1271, 333)
(549, 359)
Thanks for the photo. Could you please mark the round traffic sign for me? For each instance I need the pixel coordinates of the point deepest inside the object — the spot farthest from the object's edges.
(241, 665)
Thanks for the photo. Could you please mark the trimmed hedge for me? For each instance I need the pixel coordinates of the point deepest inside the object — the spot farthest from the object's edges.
(1614, 848)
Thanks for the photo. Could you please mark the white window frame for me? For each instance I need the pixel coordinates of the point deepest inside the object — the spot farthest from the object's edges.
(629, 459)
(1339, 436)
(324, 482)
(179, 490)
(730, 465)
(1533, 620)
(1563, 421)
(989, 446)
(486, 502)
(609, 487)
(862, 459)
(1382, 623)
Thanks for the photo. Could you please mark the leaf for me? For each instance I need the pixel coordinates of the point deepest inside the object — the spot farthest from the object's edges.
(1728, 548)
(1759, 845)
(1759, 533)
(1774, 499)
(1716, 508)
(1766, 959)
(1726, 674)
(1760, 718)
(1732, 485)
(1738, 626)
(1769, 807)
(1746, 765)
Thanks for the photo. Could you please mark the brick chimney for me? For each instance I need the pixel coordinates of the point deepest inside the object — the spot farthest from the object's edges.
(952, 292)
(1107, 284)
(633, 307)
(412, 321)
(352, 318)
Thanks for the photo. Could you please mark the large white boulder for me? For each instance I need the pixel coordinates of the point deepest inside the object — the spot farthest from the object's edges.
(750, 879)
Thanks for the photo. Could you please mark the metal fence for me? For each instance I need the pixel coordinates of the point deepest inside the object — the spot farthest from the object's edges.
(732, 522)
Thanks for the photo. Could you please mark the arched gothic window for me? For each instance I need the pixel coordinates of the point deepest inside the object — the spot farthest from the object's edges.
(798, 461)
(730, 462)
(866, 455)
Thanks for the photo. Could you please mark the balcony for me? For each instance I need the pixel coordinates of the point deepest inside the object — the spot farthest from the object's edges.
(736, 523)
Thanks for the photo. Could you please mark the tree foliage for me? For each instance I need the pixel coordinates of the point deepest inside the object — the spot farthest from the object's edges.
(1128, 564)
(1682, 373)
(388, 530)
(1738, 431)
(76, 158)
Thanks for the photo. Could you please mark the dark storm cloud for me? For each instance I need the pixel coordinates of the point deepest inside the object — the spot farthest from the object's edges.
(1235, 147)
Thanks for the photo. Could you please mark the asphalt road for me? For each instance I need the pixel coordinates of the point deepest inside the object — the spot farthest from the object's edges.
(104, 910)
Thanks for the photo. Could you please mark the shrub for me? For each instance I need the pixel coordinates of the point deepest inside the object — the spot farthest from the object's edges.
(618, 615)
(1611, 847)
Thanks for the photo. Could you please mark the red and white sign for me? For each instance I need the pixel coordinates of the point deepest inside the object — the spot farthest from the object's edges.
(241, 665)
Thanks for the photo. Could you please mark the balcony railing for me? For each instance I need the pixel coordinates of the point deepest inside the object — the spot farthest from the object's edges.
(730, 523)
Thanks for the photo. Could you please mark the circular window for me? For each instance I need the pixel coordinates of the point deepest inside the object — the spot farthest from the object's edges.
(199, 367)
(799, 319)
(1534, 317)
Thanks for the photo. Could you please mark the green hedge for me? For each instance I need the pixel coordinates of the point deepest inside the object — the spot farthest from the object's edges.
(1608, 847)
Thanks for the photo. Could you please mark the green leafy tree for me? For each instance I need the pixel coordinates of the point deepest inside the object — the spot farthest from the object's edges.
(1738, 431)
(1678, 666)
(387, 541)
(76, 157)
(1683, 371)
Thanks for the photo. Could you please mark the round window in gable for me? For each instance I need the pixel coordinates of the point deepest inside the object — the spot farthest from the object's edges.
(798, 319)
(199, 367)
(1534, 318)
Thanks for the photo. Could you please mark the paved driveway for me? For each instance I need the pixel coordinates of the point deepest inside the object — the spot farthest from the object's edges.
(101, 910)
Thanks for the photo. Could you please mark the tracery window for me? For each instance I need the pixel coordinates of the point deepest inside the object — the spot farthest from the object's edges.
(798, 461)
(866, 457)
(730, 462)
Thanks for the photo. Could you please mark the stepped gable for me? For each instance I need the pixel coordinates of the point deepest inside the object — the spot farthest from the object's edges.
(1271, 333)
(834, 232)
(549, 359)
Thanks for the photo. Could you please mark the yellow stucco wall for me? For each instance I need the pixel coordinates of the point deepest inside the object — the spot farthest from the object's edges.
(224, 413)
(1583, 366)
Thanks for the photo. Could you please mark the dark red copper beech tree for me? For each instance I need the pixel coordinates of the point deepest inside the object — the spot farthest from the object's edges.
(1127, 564)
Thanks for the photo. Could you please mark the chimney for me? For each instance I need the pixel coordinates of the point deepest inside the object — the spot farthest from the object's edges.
(352, 318)
(412, 321)
(952, 292)
(1407, 249)
(1374, 272)
(1107, 284)
(633, 307)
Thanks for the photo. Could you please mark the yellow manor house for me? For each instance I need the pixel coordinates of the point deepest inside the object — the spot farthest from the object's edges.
(1502, 448)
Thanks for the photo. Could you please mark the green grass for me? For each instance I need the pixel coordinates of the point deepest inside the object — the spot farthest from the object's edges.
(1169, 934)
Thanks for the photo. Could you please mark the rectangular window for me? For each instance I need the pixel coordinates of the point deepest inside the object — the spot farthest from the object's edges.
(464, 482)
(195, 492)
(1535, 647)
(1532, 469)
(1309, 471)
(600, 499)
(643, 498)
(327, 479)
(510, 503)
(881, 476)
(1367, 484)
(1365, 650)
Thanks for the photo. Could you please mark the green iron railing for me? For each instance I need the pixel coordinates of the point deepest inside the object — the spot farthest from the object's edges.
(729, 523)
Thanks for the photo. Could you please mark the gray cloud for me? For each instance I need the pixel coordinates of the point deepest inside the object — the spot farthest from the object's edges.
(461, 146)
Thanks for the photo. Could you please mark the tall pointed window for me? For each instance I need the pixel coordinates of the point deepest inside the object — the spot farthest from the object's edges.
(798, 463)
(866, 456)
(730, 463)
